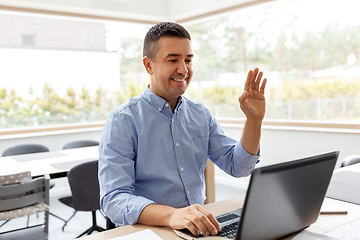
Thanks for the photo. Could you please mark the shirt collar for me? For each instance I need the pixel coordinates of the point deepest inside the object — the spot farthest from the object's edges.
(157, 102)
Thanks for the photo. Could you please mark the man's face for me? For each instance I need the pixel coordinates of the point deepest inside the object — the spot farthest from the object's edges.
(171, 70)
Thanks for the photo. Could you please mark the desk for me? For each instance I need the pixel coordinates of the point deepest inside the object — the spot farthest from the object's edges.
(345, 184)
(325, 222)
(56, 163)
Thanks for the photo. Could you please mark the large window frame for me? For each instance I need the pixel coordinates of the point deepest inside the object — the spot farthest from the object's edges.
(301, 125)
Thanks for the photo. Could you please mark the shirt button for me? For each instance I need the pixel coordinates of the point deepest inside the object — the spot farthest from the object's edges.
(182, 169)
(172, 120)
(166, 105)
(177, 144)
(188, 192)
(159, 109)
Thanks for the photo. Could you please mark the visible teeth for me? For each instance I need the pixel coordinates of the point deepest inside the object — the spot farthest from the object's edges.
(178, 80)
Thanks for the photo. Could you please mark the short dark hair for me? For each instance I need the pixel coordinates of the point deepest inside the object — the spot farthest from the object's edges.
(163, 29)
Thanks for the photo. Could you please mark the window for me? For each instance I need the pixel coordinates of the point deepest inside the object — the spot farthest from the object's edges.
(57, 70)
(310, 59)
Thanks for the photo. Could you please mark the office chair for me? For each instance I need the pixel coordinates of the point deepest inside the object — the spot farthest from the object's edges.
(20, 196)
(109, 224)
(27, 149)
(84, 185)
(78, 144)
(81, 143)
(349, 160)
(24, 149)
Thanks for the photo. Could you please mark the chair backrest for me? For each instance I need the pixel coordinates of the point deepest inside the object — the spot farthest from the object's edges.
(84, 184)
(81, 143)
(349, 160)
(17, 194)
(25, 149)
(15, 178)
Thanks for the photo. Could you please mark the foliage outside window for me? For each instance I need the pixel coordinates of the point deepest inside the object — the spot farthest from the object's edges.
(311, 63)
(309, 59)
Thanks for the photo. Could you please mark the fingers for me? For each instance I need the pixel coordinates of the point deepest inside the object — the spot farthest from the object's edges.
(197, 219)
(257, 82)
(262, 88)
(205, 222)
(248, 80)
(253, 81)
(210, 221)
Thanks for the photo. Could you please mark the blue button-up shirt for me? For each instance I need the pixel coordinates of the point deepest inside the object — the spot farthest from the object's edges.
(149, 154)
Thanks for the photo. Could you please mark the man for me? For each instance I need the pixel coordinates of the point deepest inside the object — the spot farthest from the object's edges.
(154, 148)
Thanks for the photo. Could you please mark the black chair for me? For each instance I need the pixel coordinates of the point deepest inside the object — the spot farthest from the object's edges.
(78, 144)
(109, 224)
(81, 143)
(24, 149)
(349, 160)
(84, 185)
(27, 149)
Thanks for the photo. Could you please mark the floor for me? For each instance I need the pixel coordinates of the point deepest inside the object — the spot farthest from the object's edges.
(82, 220)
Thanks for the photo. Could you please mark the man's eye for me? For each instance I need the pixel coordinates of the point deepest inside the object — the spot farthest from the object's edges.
(172, 60)
(188, 61)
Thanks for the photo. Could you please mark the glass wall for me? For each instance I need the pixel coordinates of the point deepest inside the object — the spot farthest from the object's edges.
(59, 70)
(308, 51)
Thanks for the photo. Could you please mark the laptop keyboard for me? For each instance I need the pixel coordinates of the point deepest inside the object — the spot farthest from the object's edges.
(229, 231)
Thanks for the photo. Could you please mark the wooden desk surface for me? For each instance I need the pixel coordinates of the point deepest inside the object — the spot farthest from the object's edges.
(56, 163)
(325, 222)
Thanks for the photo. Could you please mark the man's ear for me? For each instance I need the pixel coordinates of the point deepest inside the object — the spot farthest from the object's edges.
(147, 64)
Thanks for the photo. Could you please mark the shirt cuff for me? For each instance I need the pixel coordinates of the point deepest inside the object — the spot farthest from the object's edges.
(130, 212)
(245, 160)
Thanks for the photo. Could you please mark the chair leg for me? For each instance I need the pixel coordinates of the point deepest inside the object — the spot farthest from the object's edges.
(4, 223)
(102, 213)
(94, 227)
(63, 227)
(57, 217)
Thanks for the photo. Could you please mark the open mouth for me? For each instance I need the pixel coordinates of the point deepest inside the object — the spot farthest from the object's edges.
(178, 79)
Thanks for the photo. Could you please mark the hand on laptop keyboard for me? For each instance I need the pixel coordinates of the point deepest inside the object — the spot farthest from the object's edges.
(228, 231)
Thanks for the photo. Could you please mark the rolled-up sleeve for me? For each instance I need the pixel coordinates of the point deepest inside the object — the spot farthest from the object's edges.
(227, 153)
(117, 174)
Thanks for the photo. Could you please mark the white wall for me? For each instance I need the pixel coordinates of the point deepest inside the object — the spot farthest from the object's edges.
(281, 144)
(53, 140)
(278, 144)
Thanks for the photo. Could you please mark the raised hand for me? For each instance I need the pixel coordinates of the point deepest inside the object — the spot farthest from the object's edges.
(252, 100)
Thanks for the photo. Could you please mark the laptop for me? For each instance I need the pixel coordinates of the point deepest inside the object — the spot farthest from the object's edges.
(281, 199)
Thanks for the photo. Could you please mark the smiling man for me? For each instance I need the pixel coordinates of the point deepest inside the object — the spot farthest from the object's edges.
(154, 148)
(170, 69)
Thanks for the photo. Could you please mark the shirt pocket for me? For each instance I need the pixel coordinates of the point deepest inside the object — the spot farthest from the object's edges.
(200, 148)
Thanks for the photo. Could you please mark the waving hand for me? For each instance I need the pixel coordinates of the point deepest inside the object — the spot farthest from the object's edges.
(252, 101)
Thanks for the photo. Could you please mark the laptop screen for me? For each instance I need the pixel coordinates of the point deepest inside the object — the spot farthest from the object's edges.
(286, 197)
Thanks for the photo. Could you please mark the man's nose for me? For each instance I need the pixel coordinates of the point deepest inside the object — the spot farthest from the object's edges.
(182, 68)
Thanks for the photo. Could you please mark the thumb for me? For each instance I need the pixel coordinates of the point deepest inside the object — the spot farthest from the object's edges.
(243, 96)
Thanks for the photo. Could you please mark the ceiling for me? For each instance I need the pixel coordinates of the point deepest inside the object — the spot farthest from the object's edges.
(145, 11)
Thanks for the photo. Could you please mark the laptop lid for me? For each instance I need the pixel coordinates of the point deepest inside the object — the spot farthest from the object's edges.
(285, 198)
